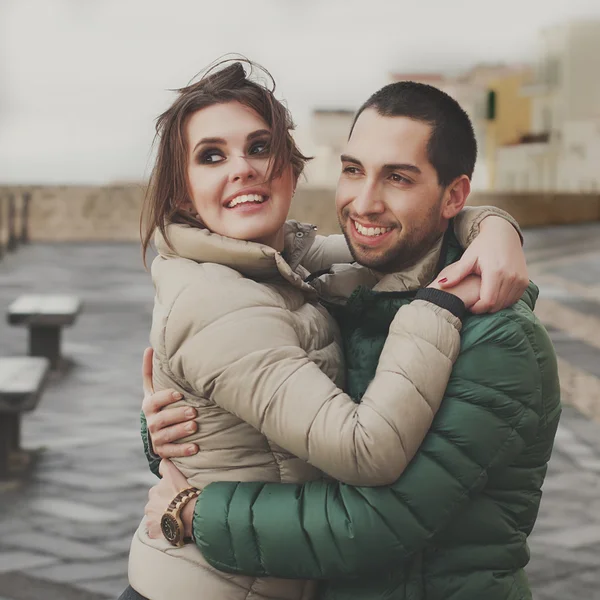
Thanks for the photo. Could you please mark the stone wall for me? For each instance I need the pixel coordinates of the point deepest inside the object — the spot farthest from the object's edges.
(111, 213)
(80, 213)
(530, 209)
(536, 209)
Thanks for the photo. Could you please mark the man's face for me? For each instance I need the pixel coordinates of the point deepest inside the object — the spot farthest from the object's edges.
(389, 203)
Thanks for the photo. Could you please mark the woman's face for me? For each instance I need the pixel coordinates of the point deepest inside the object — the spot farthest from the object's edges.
(229, 151)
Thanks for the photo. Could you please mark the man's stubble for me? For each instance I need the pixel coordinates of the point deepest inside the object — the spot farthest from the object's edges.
(412, 245)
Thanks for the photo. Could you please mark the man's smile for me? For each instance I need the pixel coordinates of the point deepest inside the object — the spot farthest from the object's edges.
(369, 233)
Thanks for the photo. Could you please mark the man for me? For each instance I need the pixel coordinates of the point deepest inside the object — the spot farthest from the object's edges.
(455, 525)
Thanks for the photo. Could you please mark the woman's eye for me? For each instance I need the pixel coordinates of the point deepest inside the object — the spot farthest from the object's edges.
(350, 170)
(259, 148)
(211, 157)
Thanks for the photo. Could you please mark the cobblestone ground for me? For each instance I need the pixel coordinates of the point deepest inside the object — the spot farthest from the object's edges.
(64, 534)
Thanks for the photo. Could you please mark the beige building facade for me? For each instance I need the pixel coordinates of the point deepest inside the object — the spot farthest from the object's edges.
(562, 151)
(508, 115)
(325, 139)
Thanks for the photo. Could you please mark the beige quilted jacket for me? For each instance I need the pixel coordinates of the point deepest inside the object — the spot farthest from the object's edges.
(241, 335)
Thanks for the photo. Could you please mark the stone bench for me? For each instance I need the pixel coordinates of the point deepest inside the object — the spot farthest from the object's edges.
(22, 381)
(45, 315)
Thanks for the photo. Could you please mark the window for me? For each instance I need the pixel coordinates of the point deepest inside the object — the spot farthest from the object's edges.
(491, 105)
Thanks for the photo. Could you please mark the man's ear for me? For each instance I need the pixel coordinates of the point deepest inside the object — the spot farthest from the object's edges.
(456, 196)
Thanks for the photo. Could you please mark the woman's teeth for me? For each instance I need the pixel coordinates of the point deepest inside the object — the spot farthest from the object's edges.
(371, 231)
(246, 198)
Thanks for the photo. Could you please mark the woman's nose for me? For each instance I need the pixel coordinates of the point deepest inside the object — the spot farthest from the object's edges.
(242, 170)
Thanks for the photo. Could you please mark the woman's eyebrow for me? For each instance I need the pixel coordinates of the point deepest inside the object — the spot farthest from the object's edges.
(209, 140)
(258, 133)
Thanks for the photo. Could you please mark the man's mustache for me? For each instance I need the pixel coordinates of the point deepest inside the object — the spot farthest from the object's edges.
(372, 222)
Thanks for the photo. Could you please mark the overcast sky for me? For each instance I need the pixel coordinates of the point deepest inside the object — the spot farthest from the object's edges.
(81, 81)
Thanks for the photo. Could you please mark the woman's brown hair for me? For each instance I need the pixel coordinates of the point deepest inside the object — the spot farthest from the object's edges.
(227, 81)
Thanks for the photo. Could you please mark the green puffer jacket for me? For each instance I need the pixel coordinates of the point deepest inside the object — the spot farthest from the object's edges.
(455, 525)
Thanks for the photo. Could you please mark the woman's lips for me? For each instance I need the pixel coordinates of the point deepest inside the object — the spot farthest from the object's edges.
(246, 207)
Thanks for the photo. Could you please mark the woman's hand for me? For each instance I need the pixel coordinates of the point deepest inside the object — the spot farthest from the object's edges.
(165, 424)
(468, 290)
(161, 495)
(497, 256)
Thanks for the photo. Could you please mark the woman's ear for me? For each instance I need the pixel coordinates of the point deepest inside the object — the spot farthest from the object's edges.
(187, 206)
(456, 196)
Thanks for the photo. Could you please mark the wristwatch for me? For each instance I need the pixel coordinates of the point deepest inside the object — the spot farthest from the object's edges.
(170, 523)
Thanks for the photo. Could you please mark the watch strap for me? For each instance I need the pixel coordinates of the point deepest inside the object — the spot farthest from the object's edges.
(182, 499)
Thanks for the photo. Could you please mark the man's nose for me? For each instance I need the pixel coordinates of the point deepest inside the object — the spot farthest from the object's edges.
(242, 170)
(368, 201)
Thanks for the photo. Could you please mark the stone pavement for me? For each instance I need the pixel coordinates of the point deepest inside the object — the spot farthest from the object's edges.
(64, 534)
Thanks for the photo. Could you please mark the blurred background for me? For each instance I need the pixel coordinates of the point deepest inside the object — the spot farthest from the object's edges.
(81, 83)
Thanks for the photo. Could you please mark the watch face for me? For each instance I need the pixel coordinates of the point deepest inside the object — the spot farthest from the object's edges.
(170, 527)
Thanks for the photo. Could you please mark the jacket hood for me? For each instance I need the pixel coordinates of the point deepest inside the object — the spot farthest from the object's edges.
(251, 259)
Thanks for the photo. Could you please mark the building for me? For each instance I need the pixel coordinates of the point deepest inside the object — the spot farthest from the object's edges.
(327, 133)
(561, 152)
(508, 115)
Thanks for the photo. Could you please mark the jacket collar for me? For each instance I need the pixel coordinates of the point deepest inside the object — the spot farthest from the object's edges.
(253, 260)
(343, 280)
(446, 251)
(417, 276)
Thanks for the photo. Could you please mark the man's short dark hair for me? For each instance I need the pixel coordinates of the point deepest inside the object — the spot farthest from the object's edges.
(452, 148)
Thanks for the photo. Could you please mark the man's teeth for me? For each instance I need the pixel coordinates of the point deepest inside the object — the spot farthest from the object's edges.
(371, 231)
(246, 198)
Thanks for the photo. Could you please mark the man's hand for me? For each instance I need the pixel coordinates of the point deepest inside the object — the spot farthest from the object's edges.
(160, 496)
(497, 256)
(165, 424)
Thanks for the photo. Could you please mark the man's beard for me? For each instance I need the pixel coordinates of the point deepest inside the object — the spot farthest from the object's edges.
(407, 251)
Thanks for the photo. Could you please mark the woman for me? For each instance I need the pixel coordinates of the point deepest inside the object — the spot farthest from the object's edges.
(239, 334)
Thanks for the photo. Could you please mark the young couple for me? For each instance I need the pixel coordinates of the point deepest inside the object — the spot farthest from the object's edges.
(336, 430)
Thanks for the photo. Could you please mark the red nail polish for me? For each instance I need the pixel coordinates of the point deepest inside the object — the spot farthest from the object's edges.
(443, 280)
